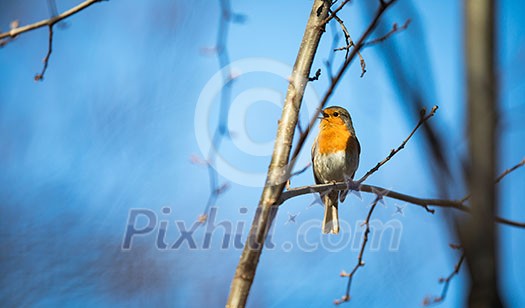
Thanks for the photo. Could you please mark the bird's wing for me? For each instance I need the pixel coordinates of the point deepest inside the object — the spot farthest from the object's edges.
(357, 148)
(314, 150)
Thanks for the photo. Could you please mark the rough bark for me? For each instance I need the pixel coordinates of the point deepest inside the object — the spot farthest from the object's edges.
(278, 170)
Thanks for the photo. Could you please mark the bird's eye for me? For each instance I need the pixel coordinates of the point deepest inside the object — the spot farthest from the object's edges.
(336, 114)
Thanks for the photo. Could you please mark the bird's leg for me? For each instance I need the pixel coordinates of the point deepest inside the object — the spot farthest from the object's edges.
(351, 185)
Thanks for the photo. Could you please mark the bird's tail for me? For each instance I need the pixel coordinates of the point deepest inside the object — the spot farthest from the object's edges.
(331, 218)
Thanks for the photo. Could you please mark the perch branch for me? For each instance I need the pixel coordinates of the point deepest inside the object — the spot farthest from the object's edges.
(423, 202)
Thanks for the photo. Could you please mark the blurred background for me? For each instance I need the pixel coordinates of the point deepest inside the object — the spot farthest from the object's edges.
(122, 121)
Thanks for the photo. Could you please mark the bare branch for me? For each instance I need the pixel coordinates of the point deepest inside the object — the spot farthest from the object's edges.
(334, 12)
(278, 171)
(446, 282)
(296, 173)
(501, 176)
(395, 29)
(360, 262)
(48, 22)
(10, 35)
(301, 171)
(40, 76)
(506, 172)
(422, 119)
(349, 44)
(423, 202)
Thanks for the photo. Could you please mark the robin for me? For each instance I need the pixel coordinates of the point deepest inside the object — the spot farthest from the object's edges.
(335, 158)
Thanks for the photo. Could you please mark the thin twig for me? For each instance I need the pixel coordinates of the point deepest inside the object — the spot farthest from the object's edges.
(360, 262)
(446, 283)
(394, 30)
(349, 44)
(296, 173)
(422, 119)
(15, 31)
(501, 176)
(301, 171)
(506, 172)
(316, 76)
(334, 12)
(48, 22)
(40, 76)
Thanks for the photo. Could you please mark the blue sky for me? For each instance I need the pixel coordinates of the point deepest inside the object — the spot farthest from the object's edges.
(112, 128)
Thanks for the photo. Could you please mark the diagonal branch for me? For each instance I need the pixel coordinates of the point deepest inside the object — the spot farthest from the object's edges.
(446, 283)
(506, 172)
(422, 119)
(350, 44)
(48, 22)
(334, 12)
(15, 31)
(279, 167)
(395, 29)
(500, 177)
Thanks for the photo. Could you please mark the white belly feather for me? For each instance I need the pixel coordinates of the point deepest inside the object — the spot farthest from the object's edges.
(332, 166)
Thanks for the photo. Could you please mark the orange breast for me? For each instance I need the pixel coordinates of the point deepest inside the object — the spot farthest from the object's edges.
(332, 138)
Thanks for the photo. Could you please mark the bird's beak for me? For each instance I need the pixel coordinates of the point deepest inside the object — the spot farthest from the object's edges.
(324, 115)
